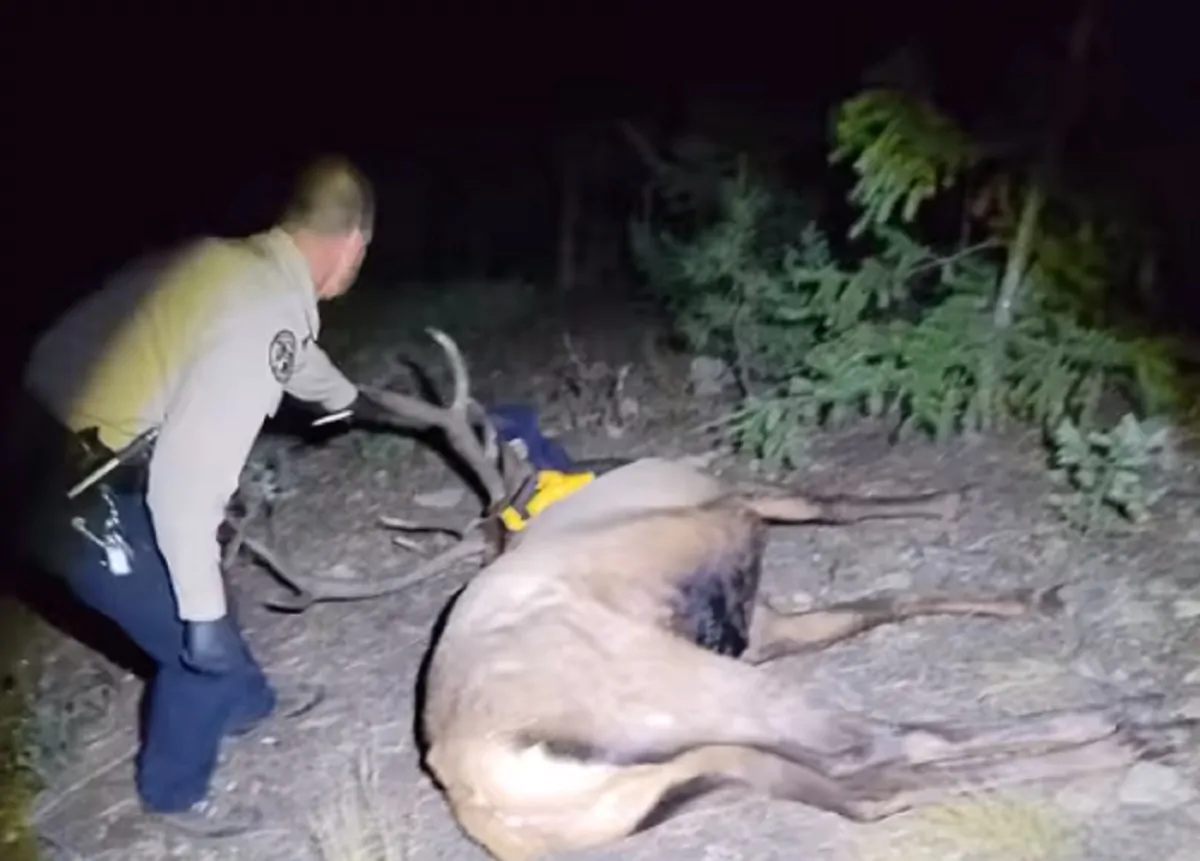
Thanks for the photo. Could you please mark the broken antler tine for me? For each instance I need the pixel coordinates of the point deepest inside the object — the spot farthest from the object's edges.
(455, 420)
(462, 403)
(473, 433)
(511, 474)
(458, 367)
(461, 428)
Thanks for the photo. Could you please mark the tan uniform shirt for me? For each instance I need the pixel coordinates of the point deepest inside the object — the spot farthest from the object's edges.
(202, 342)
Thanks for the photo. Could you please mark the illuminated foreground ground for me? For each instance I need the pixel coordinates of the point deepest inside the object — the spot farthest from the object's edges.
(1133, 623)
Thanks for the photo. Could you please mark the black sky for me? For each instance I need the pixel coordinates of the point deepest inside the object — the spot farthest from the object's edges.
(129, 133)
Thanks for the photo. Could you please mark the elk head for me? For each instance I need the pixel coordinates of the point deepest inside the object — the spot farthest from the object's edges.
(472, 437)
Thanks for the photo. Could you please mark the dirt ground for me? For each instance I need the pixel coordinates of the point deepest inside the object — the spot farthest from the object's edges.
(1132, 624)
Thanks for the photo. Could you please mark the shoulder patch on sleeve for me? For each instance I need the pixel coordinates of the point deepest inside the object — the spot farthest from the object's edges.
(282, 355)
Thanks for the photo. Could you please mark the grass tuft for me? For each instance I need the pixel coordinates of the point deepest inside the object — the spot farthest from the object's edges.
(974, 829)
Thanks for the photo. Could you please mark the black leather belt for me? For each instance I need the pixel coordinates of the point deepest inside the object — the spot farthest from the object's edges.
(89, 457)
(61, 458)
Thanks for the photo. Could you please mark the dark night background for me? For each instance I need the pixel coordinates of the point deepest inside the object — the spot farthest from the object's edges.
(128, 135)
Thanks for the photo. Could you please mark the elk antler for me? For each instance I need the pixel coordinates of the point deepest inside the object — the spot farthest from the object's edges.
(313, 589)
(472, 437)
(463, 421)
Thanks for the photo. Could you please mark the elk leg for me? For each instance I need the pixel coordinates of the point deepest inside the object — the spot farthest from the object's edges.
(641, 797)
(888, 790)
(883, 791)
(774, 634)
(783, 719)
(802, 508)
(637, 798)
(1046, 753)
(706, 769)
(923, 745)
(687, 698)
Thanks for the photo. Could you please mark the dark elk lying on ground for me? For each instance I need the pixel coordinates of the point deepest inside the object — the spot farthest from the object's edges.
(601, 671)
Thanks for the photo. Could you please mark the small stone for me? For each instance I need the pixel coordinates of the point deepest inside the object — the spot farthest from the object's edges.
(1089, 667)
(897, 582)
(1054, 550)
(343, 571)
(1132, 613)
(702, 460)
(709, 376)
(1186, 608)
(722, 853)
(1150, 784)
(447, 497)
(1162, 587)
(613, 431)
(1192, 678)
(798, 602)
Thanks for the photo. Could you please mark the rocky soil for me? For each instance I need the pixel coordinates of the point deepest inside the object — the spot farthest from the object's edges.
(350, 769)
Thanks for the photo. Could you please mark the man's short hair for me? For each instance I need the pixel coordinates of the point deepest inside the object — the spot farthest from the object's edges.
(331, 197)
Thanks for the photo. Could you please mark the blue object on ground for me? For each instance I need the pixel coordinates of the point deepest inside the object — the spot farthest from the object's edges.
(520, 422)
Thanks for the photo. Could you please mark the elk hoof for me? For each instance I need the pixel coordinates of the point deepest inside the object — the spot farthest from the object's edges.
(290, 603)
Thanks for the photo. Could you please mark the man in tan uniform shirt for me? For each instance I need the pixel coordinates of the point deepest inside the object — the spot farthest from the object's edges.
(200, 344)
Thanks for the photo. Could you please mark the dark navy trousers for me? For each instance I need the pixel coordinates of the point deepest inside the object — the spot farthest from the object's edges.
(187, 713)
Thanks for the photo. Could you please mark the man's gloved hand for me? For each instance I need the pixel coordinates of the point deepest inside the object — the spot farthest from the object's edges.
(213, 647)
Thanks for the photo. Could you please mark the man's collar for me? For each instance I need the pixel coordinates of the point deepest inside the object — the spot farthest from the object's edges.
(295, 268)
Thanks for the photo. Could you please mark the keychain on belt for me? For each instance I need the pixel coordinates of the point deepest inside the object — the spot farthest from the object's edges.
(118, 555)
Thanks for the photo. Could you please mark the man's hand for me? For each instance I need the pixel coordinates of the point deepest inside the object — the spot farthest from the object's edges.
(213, 647)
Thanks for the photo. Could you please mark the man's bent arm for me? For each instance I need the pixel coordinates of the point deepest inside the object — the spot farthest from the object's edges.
(202, 447)
(317, 380)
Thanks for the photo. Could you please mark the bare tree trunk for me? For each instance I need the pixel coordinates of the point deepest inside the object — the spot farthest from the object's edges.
(1070, 99)
(1018, 258)
(1020, 254)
